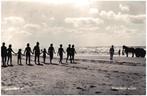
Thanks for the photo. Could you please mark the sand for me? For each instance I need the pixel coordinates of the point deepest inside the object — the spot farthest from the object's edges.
(89, 75)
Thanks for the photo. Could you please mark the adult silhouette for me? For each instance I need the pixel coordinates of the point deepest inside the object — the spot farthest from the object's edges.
(28, 52)
(9, 55)
(73, 51)
(51, 52)
(111, 51)
(36, 50)
(60, 52)
(3, 54)
(68, 50)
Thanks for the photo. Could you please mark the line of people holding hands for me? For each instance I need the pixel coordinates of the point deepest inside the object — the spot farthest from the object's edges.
(6, 54)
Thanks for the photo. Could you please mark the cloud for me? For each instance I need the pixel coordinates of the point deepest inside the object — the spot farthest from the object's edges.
(83, 21)
(13, 21)
(137, 19)
(124, 8)
(122, 18)
(32, 26)
(119, 29)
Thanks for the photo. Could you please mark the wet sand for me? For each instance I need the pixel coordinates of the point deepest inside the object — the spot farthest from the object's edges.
(87, 76)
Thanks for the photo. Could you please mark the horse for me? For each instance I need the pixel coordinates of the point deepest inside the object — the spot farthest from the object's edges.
(140, 52)
(128, 50)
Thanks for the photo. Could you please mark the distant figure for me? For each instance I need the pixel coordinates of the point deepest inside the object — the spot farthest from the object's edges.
(19, 54)
(72, 54)
(68, 50)
(51, 52)
(28, 52)
(9, 55)
(3, 54)
(36, 50)
(119, 52)
(44, 55)
(111, 51)
(123, 52)
(60, 52)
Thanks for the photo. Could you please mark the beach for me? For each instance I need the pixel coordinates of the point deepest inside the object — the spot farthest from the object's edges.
(89, 75)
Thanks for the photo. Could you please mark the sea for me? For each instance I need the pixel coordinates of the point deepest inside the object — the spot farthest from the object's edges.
(93, 51)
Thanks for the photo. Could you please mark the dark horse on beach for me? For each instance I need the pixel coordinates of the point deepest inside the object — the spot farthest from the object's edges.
(139, 52)
(128, 50)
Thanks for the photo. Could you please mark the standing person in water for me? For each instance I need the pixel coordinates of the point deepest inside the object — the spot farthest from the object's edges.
(72, 54)
(28, 53)
(60, 52)
(3, 54)
(119, 52)
(68, 50)
(111, 51)
(19, 54)
(44, 55)
(9, 54)
(51, 52)
(36, 50)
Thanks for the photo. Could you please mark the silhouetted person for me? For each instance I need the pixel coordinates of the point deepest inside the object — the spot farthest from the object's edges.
(68, 50)
(3, 54)
(9, 55)
(28, 52)
(36, 50)
(51, 52)
(123, 52)
(19, 54)
(60, 52)
(111, 51)
(44, 55)
(119, 52)
(72, 54)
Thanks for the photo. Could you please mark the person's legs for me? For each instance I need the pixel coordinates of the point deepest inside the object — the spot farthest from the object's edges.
(2, 60)
(73, 58)
(111, 56)
(35, 58)
(26, 59)
(60, 61)
(8, 60)
(70, 58)
(5, 58)
(11, 60)
(67, 58)
(38, 59)
(51, 57)
(44, 59)
(20, 61)
(61, 57)
(29, 59)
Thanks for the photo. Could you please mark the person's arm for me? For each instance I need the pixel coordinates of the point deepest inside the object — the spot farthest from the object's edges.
(13, 51)
(31, 51)
(48, 51)
(58, 52)
(24, 51)
(63, 51)
(75, 52)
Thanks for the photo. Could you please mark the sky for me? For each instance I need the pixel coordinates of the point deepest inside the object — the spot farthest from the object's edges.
(79, 22)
